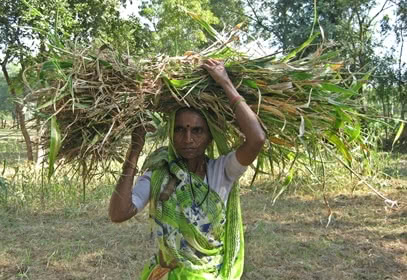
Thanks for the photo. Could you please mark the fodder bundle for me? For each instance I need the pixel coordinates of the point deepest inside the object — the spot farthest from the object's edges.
(97, 97)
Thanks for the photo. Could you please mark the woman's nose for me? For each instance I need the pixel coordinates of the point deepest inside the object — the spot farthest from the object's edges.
(188, 136)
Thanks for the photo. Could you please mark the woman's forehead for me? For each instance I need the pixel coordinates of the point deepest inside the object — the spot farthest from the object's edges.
(190, 118)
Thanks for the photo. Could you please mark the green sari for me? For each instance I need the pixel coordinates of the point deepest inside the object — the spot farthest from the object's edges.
(198, 237)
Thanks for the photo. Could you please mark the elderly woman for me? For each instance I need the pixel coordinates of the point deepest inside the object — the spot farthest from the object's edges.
(194, 201)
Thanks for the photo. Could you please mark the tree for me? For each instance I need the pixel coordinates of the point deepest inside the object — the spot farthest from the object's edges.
(7, 107)
(12, 34)
(287, 24)
(229, 12)
(27, 26)
(174, 32)
(128, 36)
(399, 28)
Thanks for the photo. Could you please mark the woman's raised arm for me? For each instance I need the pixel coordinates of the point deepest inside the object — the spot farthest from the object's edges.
(245, 117)
(121, 207)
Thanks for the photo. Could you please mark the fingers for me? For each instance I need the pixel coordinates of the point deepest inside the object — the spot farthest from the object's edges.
(207, 64)
(216, 70)
(211, 64)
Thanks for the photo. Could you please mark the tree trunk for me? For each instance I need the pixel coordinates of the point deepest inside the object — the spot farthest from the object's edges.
(384, 113)
(24, 131)
(19, 113)
(39, 151)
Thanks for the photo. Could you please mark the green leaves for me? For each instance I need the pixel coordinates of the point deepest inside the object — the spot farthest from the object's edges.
(204, 24)
(345, 129)
(55, 145)
(183, 25)
(352, 131)
(181, 83)
(250, 83)
(297, 75)
(340, 118)
(300, 48)
(398, 134)
(334, 139)
(346, 93)
(54, 65)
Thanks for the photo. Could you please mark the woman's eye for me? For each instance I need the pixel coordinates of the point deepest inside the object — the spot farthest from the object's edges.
(197, 130)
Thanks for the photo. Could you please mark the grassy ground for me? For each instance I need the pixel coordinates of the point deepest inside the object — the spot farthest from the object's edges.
(11, 145)
(45, 233)
(290, 240)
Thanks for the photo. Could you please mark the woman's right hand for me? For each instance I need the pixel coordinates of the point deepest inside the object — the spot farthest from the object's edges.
(137, 136)
(121, 207)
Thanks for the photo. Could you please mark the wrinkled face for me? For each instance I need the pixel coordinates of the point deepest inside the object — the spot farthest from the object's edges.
(191, 135)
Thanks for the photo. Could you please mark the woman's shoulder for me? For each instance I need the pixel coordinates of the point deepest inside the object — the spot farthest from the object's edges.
(223, 161)
(228, 165)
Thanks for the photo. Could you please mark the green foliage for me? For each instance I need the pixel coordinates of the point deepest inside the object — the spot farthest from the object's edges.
(398, 134)
(70, 19)
(174, 32)
(6, 103)
(128, 36)
(229, 12)
(289, 23)
(12, 29)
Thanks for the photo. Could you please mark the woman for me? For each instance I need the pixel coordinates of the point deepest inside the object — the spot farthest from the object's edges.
(193, 200)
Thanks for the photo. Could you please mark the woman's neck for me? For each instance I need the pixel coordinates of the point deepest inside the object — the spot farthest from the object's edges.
(197, 166)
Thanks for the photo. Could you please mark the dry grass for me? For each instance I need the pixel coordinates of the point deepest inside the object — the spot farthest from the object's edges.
(61, 238)
(96, 97)
(289, 240)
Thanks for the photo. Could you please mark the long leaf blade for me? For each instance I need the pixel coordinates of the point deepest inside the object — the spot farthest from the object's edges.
(300, 48)
(398, 134)
(55, 145)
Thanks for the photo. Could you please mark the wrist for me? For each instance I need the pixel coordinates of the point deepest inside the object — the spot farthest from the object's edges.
(226, 83)
(129, 170)
(128, 164)
(236, 101)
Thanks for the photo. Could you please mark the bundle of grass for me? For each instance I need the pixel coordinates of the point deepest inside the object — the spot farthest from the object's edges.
(97, 98)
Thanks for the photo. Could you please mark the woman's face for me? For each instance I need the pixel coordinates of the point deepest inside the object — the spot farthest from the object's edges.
(191, 135)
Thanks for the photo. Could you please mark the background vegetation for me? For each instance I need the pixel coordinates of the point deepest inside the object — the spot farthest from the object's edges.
(323, 224)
